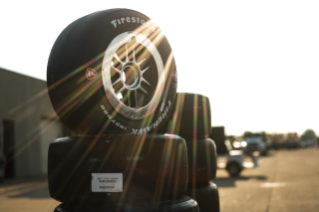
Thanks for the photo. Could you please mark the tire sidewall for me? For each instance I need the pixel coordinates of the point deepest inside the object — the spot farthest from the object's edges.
(101, 115)
(231, 170)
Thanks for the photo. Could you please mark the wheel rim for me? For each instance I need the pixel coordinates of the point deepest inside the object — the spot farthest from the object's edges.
(130, 83)
(233, 169)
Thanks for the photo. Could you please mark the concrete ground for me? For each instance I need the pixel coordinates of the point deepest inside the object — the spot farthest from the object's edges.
(285, 181)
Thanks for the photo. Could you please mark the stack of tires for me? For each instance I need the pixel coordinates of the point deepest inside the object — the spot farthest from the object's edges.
(112, 81)
(192, 121)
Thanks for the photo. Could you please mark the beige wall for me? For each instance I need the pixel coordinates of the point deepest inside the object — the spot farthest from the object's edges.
(25, 101)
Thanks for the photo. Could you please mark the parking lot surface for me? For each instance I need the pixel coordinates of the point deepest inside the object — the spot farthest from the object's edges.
(285, 181)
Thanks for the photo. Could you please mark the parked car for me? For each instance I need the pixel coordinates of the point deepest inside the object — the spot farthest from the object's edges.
(229, 158)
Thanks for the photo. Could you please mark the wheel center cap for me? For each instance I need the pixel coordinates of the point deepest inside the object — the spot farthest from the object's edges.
(131, 76)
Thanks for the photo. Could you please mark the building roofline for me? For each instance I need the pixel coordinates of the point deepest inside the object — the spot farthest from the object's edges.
(19, 73)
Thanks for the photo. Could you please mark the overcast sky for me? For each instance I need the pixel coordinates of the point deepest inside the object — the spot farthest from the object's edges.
(257, 61)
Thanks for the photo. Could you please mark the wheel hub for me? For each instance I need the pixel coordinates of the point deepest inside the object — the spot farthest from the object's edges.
(131, 76)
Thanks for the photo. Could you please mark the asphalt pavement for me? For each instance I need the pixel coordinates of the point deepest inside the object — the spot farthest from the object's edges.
(285, 181)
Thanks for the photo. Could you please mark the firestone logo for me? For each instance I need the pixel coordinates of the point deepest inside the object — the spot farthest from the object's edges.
(126, 20)
(174, 75)
(90, 73)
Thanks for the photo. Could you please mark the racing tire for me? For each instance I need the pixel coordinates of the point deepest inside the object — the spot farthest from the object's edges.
(191, 116)
(181, 204)
(117, 167)
(202, 160)
(112, 71)
(207, 197)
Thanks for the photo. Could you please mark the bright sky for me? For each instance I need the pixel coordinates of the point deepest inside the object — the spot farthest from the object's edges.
(257, 61)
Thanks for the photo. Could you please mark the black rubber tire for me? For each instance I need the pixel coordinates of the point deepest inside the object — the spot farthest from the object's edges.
(233, 169)
(265, 152)
(154, 167)
(207, 197)
(180, 204)
(81, 74)
(202, 160)
(191, 116)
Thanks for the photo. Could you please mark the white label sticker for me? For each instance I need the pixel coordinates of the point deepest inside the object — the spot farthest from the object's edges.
(107, 182)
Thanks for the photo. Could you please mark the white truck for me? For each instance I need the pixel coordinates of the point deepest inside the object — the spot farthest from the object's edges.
(256, 142)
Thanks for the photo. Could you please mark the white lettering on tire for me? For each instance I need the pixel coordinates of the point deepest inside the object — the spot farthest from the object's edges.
(114, 23)
(141, 130)
(155, 124)
(118, 124)
(150, 24)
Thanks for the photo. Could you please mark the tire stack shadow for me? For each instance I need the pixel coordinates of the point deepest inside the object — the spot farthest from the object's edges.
(231, 181)
(33, 188)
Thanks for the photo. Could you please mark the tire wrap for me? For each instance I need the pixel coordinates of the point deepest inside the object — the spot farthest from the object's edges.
(191, 120)
(202, 160)
(155, 167)
(207, 197)
(191, 116)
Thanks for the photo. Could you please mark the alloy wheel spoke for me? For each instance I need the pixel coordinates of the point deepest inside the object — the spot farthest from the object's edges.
(117, 81)
(143, 90)
(121, 89)
(128, 95)
(126, 50)
(117, 57)
(134, 58)
(145, 69)
(146, 82)
(139, 63)
(117, 70)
